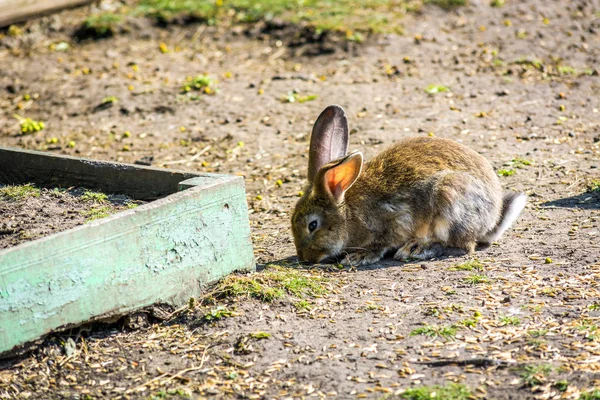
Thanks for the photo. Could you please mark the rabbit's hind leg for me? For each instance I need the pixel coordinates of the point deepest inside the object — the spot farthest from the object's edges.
(420, 246)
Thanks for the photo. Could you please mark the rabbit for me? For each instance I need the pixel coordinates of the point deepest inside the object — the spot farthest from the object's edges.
(421, 198)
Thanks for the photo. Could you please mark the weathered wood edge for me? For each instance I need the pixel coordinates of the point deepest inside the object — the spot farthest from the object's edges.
(197, 185)
(12, 11)
(48, 169)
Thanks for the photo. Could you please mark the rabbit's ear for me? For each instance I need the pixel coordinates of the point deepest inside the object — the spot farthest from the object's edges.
(339, 175)
(329, 139)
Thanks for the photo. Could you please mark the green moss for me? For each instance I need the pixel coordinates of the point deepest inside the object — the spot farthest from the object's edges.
(93, 197)
(434, 331)
(476, 279)
(533, 375)
(274, 282)
(18, 192)
(470, 265)
(452, 391)
(102, 25)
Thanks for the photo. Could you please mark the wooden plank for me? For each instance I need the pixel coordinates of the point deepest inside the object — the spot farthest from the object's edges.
(12, 11)
(138, 182)
(161, 252)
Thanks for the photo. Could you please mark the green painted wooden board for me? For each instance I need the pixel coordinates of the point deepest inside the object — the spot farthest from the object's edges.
(161, 252)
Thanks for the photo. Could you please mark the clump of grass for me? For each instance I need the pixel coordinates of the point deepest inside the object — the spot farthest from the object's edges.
(94, 197)
(166, 10)
(469, 322)
(561, 385)
(538, 332)
(295, 97)
(590, 395)
(566, 70)
(201, 83)
(447, 4)
(302, 305)
(593, 186)
(537, 64)
(260, 335)
(497, 3)
(433, 89)
(18, 192)
(534, 375)
(476, 279)
(274, 282)
(444, 331)
(470, 265)
(97, 213)
(110, 100)
(217, 314)
(510, 320)
(452, 391)
(520, 162)
(29, 125)
(594, 307)
(506, 172)
(342, 15)
(102, 25)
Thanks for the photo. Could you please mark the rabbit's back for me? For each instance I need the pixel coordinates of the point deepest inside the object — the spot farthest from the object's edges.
(415, 160)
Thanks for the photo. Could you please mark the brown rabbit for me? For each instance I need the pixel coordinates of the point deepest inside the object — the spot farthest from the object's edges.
(422, 197)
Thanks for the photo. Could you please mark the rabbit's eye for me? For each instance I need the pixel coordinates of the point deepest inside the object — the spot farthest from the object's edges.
(312, 226)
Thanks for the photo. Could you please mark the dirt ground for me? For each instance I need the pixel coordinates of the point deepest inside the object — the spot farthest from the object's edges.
(40, 212)
(523, 91)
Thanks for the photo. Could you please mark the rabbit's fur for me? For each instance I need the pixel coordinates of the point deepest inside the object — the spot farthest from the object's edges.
(422, 197)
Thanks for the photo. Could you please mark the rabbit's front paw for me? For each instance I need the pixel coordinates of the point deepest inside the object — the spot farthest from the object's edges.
(361, 257)
(414, 249)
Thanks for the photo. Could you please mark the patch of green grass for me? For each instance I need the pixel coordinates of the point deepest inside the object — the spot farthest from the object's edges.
(165, 394)
(93, 197)
(497, 3)
(294, 97)
(593, 186)
(435, 331)
(536, 343)
(566, 70)
(432, 312)
(260, 335)
(470, 265)
(433, 89)
(591, 395)
(97, 213)
(57, 192)
(218, 313)
(537, 64)
(447, 4)
(102, 25)
(110, 100)
(591, 331)
(506, 172)
(561, 385)
(334, 15)
(18, 192)
(476, 279)
(302, 305)
(469, 322)
(452, 391)
(520, 162)
(201, 83)
(534, 375)
(29, 125)
(537, 332)
(595, 306)
(512, 320)
(274, 282)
